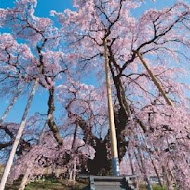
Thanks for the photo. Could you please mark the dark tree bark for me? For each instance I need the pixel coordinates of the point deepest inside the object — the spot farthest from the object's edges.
(51, 123)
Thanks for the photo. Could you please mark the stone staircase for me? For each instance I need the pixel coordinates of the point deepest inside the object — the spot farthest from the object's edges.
(110, 183)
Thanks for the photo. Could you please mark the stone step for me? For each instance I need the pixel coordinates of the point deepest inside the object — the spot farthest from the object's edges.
(110, 183)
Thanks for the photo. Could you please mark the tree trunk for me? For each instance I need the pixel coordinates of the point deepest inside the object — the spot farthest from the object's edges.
(19, 134)
(51, 123)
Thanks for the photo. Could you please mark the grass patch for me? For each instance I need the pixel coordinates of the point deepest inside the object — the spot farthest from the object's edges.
(154, 186)
(44, 185)
(54, 185)
(157, 187)
(50, 184)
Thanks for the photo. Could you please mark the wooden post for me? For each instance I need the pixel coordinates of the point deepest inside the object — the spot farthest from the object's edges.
(115, 161)
(154, 79)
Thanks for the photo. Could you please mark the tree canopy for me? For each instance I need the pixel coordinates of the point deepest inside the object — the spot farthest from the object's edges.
(152, 134)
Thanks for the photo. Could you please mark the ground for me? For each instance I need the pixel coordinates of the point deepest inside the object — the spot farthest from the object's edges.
(53, 184)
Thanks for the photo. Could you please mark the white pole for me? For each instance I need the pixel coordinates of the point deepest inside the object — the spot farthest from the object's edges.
(154, 79)
(10, 105)
(19, 134)
(115, 160)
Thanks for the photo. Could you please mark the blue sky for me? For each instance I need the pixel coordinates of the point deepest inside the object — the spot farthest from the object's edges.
(43, 6)
(42, 10)
(40, 100)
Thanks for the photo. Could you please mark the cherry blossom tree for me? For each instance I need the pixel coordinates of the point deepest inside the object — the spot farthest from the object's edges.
(148, 61)
(155, 35)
